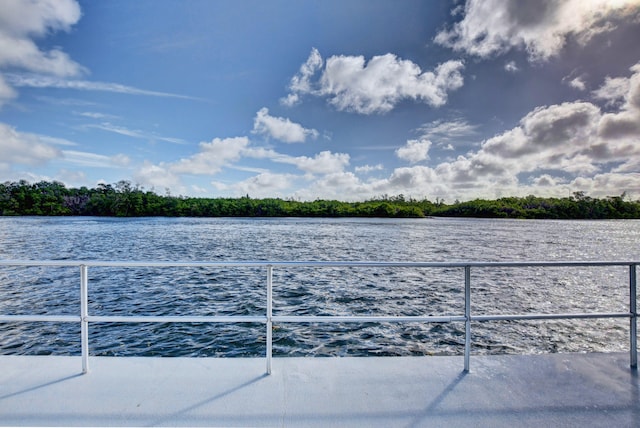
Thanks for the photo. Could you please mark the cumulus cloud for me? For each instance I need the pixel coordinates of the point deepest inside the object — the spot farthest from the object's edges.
(281, 128)
(606, 184)
(511, 67)
(624, 124)
(159, 176)
(578, 83)
(549, 138)
(352, 84)
(365, 169)
(211, 157)
(24, 148)
(414, 150)
(209, 160)
(340, 185)
(324, 162)
(445, 132)
(492, 27)
(553, 151)
(23, 21)
(264, 185)
(613, 90)
(546, 180)
(301, 82)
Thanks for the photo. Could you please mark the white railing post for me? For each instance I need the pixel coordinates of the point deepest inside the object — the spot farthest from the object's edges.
(467, 315)
(633, 321)
(84, 313)
(269, 315)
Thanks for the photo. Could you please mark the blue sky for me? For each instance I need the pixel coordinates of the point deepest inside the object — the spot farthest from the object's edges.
(344, 100)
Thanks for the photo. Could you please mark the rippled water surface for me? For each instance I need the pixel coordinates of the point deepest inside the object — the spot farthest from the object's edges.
(314, 291)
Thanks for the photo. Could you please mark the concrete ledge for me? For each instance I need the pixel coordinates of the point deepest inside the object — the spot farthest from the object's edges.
(524, 390)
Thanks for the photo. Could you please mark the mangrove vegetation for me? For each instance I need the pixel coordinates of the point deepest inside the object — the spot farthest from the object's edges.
(122, 199)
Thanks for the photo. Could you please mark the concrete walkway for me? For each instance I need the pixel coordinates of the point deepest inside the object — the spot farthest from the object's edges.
(543, 390)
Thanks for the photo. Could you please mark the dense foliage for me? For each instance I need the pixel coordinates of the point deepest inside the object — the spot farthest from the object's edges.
(124, 200)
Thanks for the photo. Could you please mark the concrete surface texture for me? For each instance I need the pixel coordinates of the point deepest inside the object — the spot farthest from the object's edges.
(524, 390)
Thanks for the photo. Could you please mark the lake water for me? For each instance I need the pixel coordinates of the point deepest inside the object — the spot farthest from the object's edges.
(315, 291)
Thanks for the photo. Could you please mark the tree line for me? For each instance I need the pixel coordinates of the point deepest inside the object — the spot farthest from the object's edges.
(122, 199)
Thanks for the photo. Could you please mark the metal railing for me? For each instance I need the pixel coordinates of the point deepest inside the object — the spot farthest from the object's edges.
(268, 319)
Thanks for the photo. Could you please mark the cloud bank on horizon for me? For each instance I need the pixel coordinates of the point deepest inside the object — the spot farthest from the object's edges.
(481, 99)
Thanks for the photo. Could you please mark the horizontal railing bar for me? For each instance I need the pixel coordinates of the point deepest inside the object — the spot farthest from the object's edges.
(361, 319)
(100, 263)
(172, 319)
(551, 316)
(303, 319)
(43, 318)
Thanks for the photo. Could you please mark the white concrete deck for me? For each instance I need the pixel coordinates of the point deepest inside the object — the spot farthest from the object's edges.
(544, 390)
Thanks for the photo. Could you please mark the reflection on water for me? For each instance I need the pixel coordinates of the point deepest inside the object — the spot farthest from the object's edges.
(315, 291)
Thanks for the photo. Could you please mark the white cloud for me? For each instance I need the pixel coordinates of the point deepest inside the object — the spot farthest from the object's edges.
(78, 178)
(324, 162)
(160, 177)
(24, 54)
(511, 67)
(608, 184)
(24, 148)
(456, 129)
(558, 137)
(36, 17)
(7, 93)
(94, 160)
(95, 115)
(578, 83)
(552, 151)
(546, 180)
(613, 90)
(55, 140)
(281, 128)
(20, 23)
(571, 139)
(42, 81)
(624, 124)
(377, 86)
(491, 27)
(414, 150)
(301, 82)
(120, 159)
(265, 185)
(106, 126)
(365, 169)
(212, 156)
(343, 186)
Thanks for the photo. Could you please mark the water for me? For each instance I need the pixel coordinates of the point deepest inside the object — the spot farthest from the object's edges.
(315, 291)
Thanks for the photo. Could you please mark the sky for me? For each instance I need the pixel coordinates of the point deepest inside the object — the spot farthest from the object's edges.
(348, 99)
